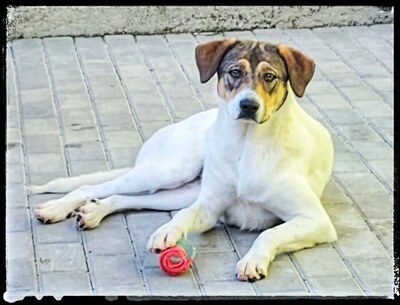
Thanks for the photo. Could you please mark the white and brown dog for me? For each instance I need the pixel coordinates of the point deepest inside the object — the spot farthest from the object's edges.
(263, 162)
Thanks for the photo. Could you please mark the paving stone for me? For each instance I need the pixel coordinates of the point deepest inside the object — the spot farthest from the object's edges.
(66, 283)
(348, 162)
(320, 262)
(355, 239)
(61, 232)
(17, 219)
(216, 265)
(141, 225)
(41, 126)
(38, 110)
(85, 151)
(374, 205)
(343, 116)
(15, 195)
(333, 194)
(384, 169)
(63, 257)
(374, 273)
(81, 167)
(360, 94)
(123, 156)
(376, 108)
(242, 240)
(384, 230)
(359, 132)
(282, 279)
(81, 133)
(114, 270)
(41, 162)
(21, 275)
(36, 144)
(227, 288)
(374, 150)
(67, 101)
(360, 183)
(330, 101)
(213, 240)
(14, 154)
(108, 241)
(334, 286)
(159, 284)
(19, 245)
(122, 138)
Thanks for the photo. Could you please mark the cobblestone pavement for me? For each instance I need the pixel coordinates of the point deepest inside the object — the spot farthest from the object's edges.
(80, 105)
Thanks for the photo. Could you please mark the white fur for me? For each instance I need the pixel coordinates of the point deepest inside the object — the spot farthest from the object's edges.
(254, 176)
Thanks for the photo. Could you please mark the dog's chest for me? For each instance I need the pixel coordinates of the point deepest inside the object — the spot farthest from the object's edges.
(257, 164)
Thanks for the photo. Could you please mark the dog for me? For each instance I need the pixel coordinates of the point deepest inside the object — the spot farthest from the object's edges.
(258, 162)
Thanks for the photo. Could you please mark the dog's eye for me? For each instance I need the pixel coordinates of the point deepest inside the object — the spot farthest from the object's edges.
(269, 77)
(235, 73)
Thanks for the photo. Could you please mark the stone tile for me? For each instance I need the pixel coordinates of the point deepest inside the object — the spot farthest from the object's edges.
(66, 283)
(81, 133)
(343, 116)
(17, 220)
(360, 94)
(331, 102)
(21, 274)
(123, 156)
(41, 126)
(38, 110)
(216, 265)
(384, 230)
(16, 195)
(122, 138)
(333, 194)
(355, 239)
(141, 225)
(213, 240)
(242, 240)
(159, 284)
(61, 257)
(73, 101)
(334, 286)
(61, 232)
(114, 270)
(374, 150)
(359, 132)
(41, 162)
(36, 144)
(282, 279)
(384, 168)
(85, 151)
(228, 288)
(19, 245)
(374, 273)
(360, 183)
(374, 205)
(80, 167)
(348, 162)
(320, 262)
(108, 241)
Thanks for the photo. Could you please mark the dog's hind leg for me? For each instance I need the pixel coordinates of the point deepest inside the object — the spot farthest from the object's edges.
(90, 215)
(146, 177)
(64, 185)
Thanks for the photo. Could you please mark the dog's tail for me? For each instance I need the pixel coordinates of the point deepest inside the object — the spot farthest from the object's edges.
(64, 185)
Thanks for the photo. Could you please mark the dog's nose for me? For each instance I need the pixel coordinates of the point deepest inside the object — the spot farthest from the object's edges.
(249, 106)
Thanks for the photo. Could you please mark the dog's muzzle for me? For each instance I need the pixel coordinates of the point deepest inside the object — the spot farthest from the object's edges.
(248, 109)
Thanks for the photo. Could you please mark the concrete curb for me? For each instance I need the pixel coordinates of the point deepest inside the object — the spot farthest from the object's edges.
(45, 21)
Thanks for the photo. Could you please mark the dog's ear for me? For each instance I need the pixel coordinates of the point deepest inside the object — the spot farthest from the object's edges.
(209, 55)
(300, 68)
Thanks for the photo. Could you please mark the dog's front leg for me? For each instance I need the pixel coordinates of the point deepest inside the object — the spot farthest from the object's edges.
(201, 216)
(306, 224)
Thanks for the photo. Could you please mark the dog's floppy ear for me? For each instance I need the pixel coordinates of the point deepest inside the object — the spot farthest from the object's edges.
(209, 55)
(300, 68)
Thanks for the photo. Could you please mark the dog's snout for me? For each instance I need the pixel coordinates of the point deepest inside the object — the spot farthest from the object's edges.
(249, 106)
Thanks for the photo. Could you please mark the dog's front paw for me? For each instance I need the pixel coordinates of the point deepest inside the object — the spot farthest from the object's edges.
(52, 211)
(252, 268)
(90, 214)
(165, 237)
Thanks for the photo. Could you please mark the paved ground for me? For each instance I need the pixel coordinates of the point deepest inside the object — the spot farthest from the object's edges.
(79, 105)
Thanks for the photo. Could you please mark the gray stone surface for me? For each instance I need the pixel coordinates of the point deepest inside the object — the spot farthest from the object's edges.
(26, 21)
(94, 102)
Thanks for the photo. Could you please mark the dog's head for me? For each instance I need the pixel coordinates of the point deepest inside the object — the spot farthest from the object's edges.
(253, 76)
